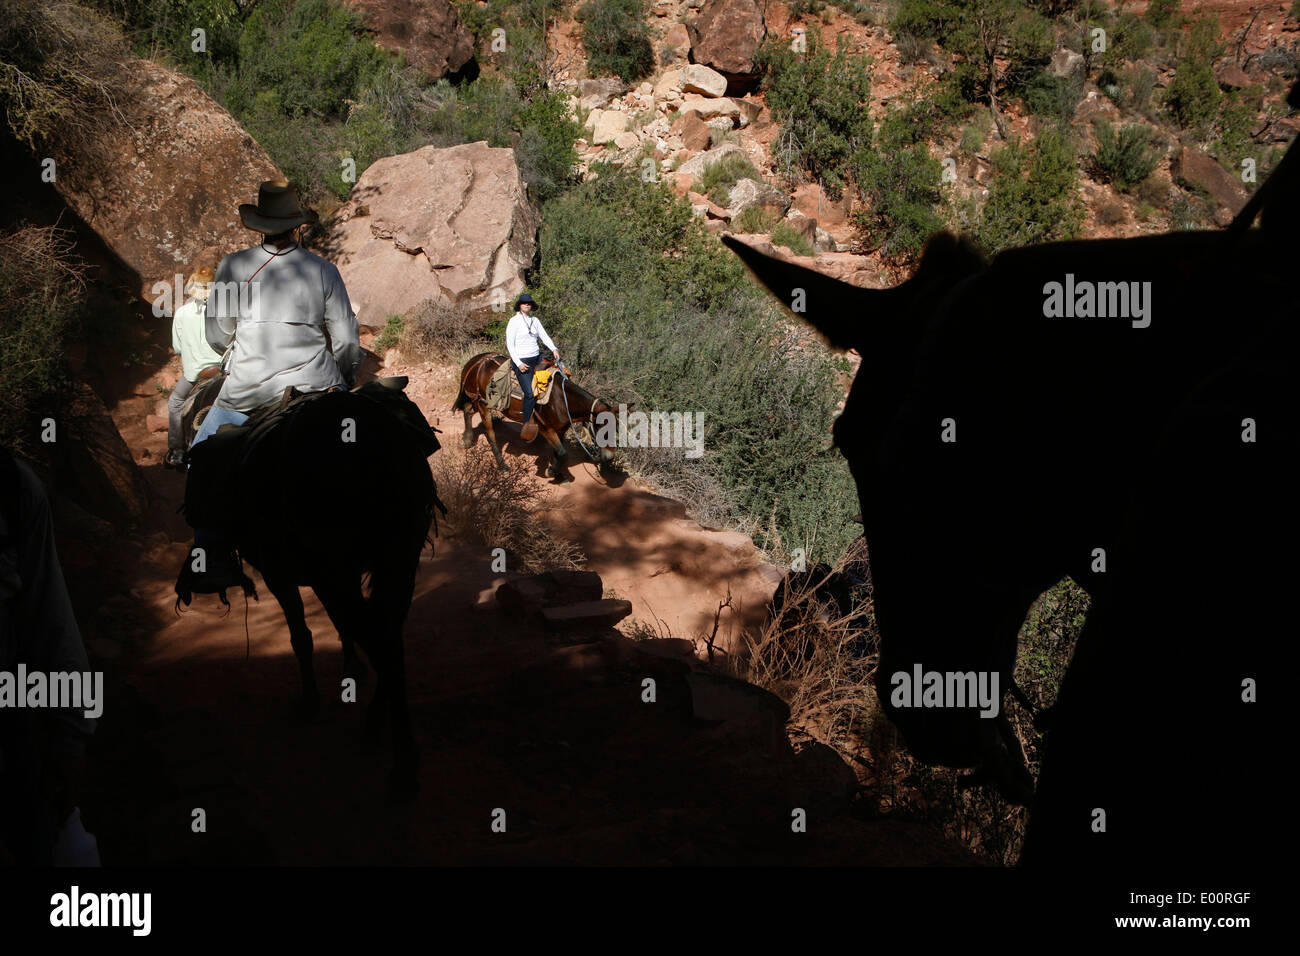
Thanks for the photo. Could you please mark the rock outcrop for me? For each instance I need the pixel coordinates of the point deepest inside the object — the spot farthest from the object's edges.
(90, 462)
(452, 225)
(1202, 172)
(428, 33)
(163, 189)
(725, 37)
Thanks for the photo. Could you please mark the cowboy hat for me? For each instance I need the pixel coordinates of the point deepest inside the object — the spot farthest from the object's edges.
(277, 209)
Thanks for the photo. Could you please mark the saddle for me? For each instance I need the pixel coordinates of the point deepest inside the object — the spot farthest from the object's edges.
(504, 385)
(212, 489)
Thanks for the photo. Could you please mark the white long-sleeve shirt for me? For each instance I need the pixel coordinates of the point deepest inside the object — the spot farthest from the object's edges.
(522, 333)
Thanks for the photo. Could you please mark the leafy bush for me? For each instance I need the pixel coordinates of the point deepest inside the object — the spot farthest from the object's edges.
(1192, 97)
(497, 509)
(899, 182)
(1034, 194)
(755, 219)
(1164, 13)
(42, 291)
(59, 69)
(649, 308)
(821, 102)
(923, 18)
(784, 234)
(310, 52)
(616, 38)
(1123, 158)
(1054, 98)
(1111, 214)
(439, 331)
(724, 174)
(389, 338)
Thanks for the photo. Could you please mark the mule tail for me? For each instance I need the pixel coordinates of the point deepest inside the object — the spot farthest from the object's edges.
(462, 400)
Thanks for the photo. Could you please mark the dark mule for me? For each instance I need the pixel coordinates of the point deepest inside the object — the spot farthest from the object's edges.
(569, 405)
(996, 449)
(288, 487)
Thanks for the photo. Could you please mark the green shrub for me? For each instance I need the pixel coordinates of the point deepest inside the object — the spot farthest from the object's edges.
(1054, 98)
(310, 52)
(616, 38)
(899, 183)
(786, 235)
(42, 292)
(1232, 128)
(821, 102)
(1164, 13)
(1034, 194)
(755, 219)
(391, 335)
(1192, 97)
(59, 70)
(923, 18)
(650, 308)
(442, 331)
(1123, 157)
(725, 173)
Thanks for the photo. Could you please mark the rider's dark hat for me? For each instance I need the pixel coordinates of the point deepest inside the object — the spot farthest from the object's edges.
(525, 297)
(277, 209)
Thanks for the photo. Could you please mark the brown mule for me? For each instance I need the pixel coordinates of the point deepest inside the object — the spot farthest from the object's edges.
(570, 405)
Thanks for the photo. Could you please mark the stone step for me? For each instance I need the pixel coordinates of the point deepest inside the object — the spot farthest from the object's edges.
(604, 613)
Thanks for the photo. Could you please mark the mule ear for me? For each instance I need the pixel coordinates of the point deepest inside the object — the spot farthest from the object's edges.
(843, 313)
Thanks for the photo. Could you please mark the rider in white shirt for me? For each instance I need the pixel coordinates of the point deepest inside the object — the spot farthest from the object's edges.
(522, 335)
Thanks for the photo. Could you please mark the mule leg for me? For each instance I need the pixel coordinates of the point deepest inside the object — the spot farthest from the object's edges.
(560, 469)
(467, 437)
(389, 602)
(286, 592)
(492, 436)
(346, 609)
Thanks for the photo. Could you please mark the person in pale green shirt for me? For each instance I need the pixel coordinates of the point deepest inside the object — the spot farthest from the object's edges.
(190, 342)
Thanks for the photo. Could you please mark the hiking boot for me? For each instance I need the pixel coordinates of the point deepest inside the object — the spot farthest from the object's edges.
(175, 459)
(529, 431)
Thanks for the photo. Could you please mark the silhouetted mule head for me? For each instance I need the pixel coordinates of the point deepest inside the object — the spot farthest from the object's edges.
(946, 600)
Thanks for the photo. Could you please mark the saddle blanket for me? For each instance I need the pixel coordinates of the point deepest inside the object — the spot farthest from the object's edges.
(504, 385)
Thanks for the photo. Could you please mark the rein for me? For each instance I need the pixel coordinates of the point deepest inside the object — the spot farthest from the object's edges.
(564, 393)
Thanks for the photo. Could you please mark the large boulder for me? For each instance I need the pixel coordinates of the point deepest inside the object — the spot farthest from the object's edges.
(695, 133)
(709, 107)
(606, 125)
(696, 165)
(750, 192)
(697, 78)
(428, 33)
(163, 188)
(1199, 171)
(453, 225)
(90, 462)
(726, 36)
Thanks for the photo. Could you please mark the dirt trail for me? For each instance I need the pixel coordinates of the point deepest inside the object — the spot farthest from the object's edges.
(555, 735)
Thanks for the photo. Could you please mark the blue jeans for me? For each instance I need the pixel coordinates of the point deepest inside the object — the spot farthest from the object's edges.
(216, 417)
(525, 382)
(174, 404)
